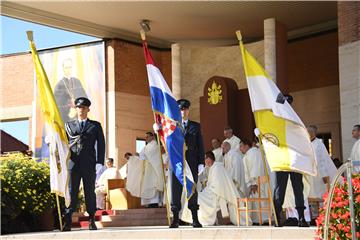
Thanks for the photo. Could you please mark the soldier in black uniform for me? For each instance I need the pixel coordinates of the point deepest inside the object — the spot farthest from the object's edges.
(298, 187)
(84, 135)
(194, 157)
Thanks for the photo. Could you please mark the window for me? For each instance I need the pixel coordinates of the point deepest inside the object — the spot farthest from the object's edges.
(140, 144)
(326, 138)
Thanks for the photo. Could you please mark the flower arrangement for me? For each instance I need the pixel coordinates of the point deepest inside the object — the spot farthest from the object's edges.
(339, 224)
(25, 187)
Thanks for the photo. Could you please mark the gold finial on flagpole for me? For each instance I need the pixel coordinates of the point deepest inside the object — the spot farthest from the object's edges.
(30, 35)
(143, 35)
(238, 34)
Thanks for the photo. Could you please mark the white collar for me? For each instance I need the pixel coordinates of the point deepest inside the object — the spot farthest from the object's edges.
(82, 120)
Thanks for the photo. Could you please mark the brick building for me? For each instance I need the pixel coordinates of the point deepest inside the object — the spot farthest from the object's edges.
(315, 58)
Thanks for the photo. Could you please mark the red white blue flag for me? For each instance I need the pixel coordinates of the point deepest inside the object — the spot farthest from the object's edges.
(168, 117)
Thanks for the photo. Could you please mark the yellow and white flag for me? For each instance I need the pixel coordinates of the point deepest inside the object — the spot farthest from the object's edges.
(55, 130)
(285, 139)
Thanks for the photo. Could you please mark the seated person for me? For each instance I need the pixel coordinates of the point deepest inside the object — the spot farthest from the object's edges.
(101, 184)
(219, 194)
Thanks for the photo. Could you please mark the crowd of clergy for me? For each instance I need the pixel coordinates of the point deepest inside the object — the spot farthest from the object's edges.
(232, 169)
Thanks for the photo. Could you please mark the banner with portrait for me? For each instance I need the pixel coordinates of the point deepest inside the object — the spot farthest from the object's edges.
(74, 71)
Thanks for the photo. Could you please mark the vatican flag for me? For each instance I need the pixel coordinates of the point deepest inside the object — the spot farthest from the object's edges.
(55, 130)
(285, 139)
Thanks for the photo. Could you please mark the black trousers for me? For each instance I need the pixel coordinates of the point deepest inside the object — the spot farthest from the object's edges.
(280, 188)
(88, 178)
(176, 192)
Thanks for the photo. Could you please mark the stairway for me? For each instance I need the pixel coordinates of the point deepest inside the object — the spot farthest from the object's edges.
(123, 218)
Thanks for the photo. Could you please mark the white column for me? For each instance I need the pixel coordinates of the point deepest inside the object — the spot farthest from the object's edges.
(270, 47)
(176, 69)
(349, 83)
(111, 126)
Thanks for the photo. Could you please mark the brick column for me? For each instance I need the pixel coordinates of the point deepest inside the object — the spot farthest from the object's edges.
(349, 70)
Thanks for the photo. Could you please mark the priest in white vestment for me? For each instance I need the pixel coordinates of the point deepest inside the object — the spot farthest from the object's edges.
(355, 151)
(254, 168)
(152, 184)
(326, 169)
(135, 168)
(232, 139)
(101, 184)
(220, 193)
(217, 150)
(167, 171)
(233, 163)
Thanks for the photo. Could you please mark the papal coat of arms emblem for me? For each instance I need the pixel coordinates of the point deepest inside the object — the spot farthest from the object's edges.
(214, 94)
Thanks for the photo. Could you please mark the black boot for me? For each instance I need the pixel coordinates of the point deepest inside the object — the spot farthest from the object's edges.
(279, 220)
(92, 225)
(291, 222)
(196, 223)
(302, 221)
(175, 222)
(67, 222)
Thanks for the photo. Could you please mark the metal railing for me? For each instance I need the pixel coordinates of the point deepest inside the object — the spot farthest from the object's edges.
(348, 167)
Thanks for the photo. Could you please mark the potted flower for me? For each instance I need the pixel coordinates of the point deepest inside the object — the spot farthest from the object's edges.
(339, 224)
(25, 192)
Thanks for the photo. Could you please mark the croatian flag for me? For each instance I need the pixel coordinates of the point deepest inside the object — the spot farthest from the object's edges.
(168, 117)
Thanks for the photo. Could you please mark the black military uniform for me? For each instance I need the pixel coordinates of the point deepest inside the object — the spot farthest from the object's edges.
(298, 187)
(194, 157)
(84, 137)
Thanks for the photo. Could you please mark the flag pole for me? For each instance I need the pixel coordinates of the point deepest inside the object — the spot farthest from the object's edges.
(33, 52)
(268, 178)
(239, 37)
(59, 211)
(143, 38)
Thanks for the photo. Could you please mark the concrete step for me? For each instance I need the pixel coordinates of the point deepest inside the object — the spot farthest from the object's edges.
(163, 232)
(135, 217)
(123, 218)
(134, 222)
(132, 216)
(139, 211)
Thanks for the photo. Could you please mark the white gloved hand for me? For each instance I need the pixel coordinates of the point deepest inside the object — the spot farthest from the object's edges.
(156, 127)
(98, 167)
(201, 168)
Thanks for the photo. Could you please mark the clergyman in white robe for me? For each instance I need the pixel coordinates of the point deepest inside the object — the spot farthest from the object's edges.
(218, 154)
(135, 168)
(234, 142)
(254, 168)
(355, 151)
(216, 144)
(168, 171)
(233, 163)
(325, 167)
(152, 184)
(102, 185)
(220, 193)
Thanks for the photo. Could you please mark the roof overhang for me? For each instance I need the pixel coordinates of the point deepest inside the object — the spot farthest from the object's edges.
(177, 21)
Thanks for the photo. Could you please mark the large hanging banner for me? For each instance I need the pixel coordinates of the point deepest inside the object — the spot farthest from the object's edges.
(75, 71)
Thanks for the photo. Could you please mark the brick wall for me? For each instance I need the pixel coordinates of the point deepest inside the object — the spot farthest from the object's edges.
(313, 62)
(17, 80)
(130, 68)
(348, 21)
